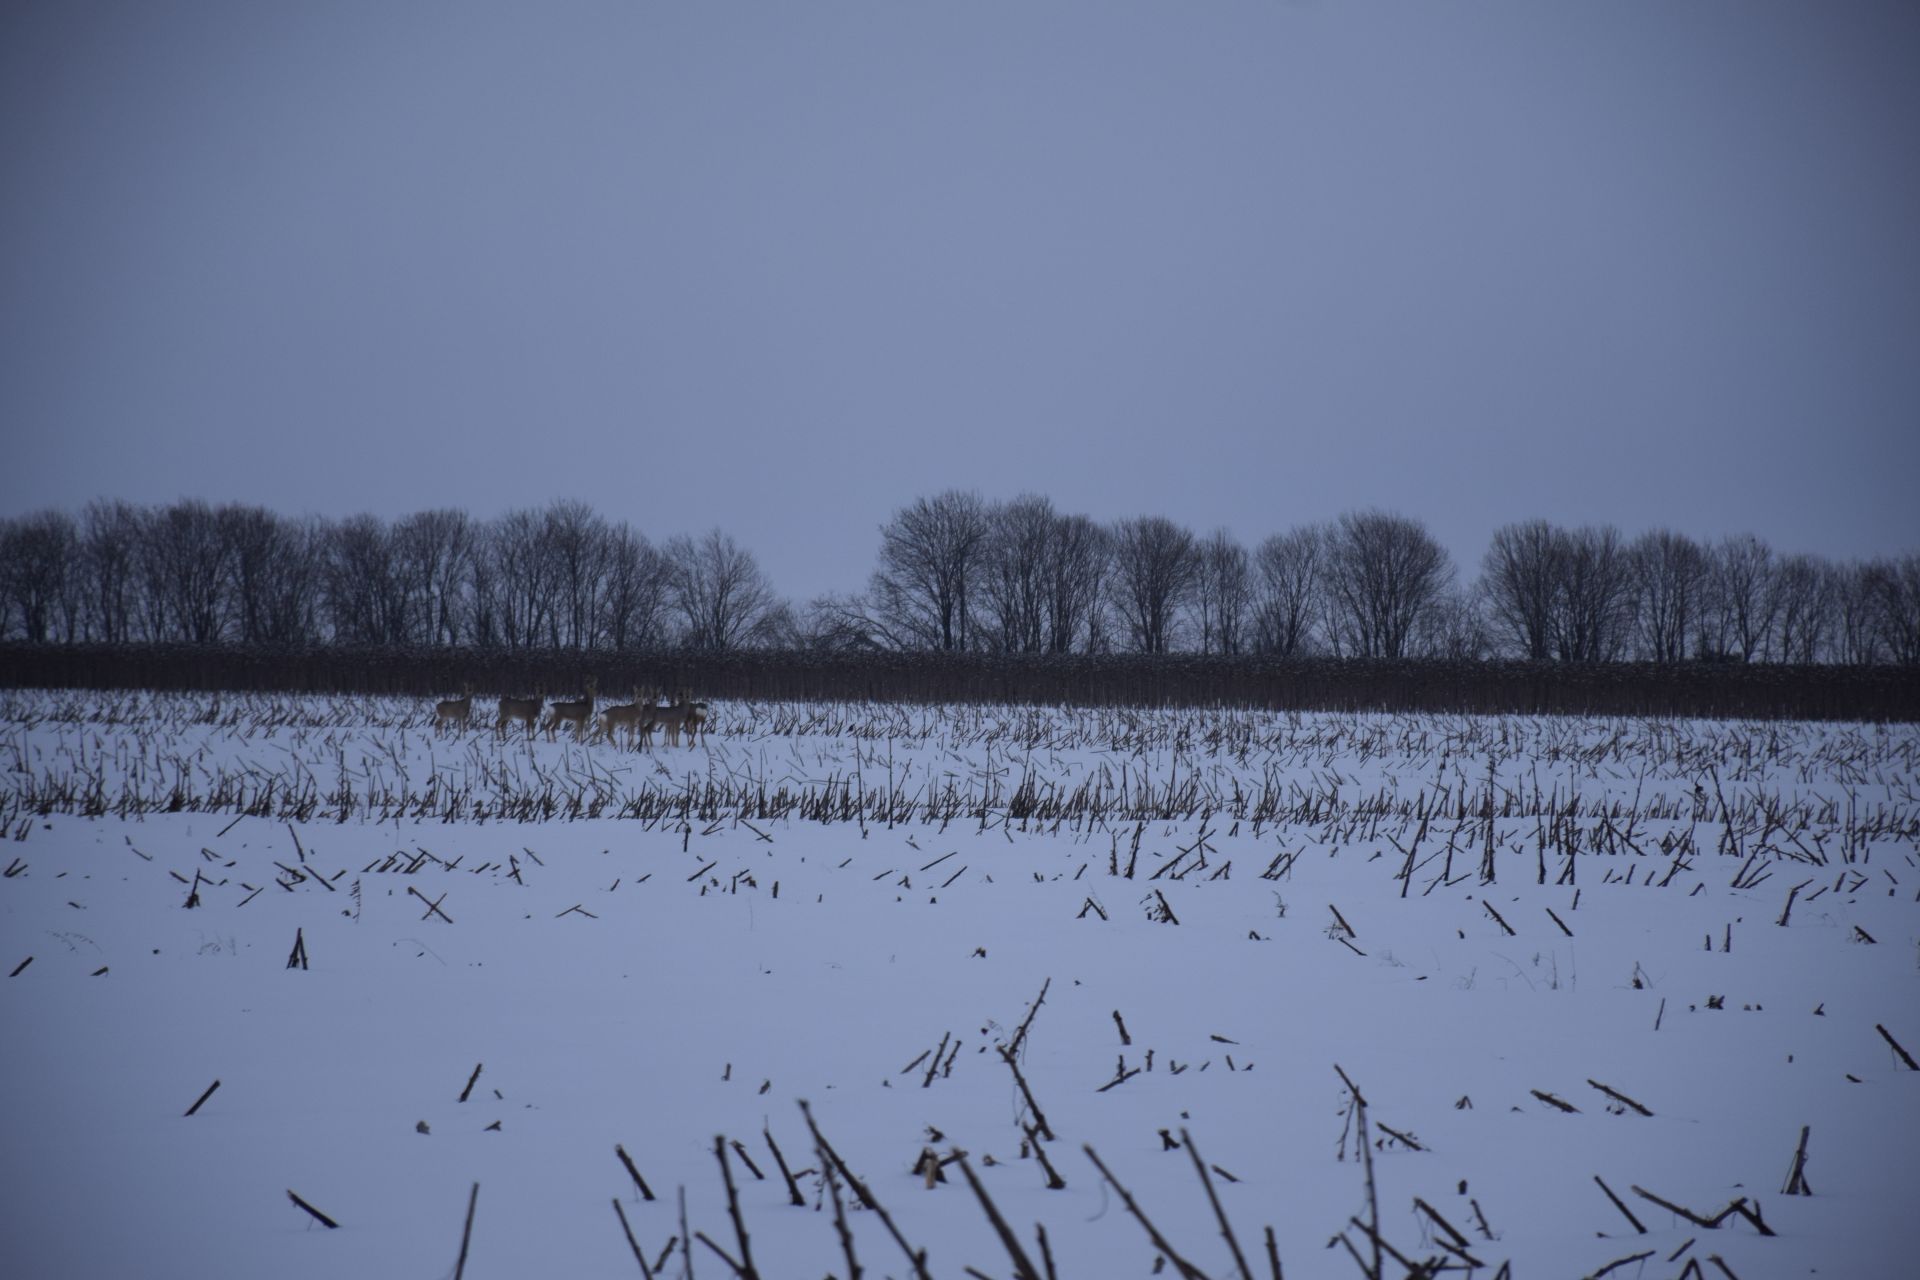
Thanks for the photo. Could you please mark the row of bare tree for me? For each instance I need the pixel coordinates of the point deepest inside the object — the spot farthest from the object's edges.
(561, 577)
(955, 573)
(1589, 595)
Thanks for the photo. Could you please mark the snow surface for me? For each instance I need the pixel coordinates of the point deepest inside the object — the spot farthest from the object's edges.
(699, 969)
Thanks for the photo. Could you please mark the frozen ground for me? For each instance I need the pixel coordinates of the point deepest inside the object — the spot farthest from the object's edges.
(858, 907)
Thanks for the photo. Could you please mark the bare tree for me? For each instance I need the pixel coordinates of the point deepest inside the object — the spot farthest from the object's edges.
(932, 555)
(109, 558)
(576, 551)
(1669, 571)
(1455, 627)
(1742, 599)
(636, 590)
(256, 554)
(39, 573)
(514, 580)
(1856, 615)
(484, 591)
(1804, 591)
(1222, 594)
(837, 624)
(1155, 565)
(433, 550)
(1520, 576)
(719, 591)
(1384, 572)
(367, 597)
(1079, 557)
(1288, 602)
(1014, 573)
(1894, 588)
(185, 561)
(152, 616)
(297, 587)
(1592, 604)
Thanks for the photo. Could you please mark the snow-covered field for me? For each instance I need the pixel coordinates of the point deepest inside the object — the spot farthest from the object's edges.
(1549, 955)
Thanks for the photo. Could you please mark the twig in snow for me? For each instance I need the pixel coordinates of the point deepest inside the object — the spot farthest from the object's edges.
(917, 1257)
(1054, 1181)
(1022, 1265)
(316, 1215)
(1186, 1269)
(839, 1215)
(1904, 1055)
(433, 905)
(1620, 1262)
(1619, 1097)
(1620, 1204)
(203, 1097)
(1797, 1184)
(1459, 1242)
(1039, 1117)
(1220, 1214)
(1739, 1206)
(646, 1192)
(739, 1149)
(466, 1233)
(1404, 1139)
(1020, 1036)
(646, 1272)
(744, 1268)
(793, 1188)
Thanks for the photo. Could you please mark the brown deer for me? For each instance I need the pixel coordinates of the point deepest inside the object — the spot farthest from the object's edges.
(579, 714)
(682, 714)
(525, 710)
(455, 712)
(627, 717)
(696, 721)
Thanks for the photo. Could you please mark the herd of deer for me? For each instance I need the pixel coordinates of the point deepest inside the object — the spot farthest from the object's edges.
(639, 718)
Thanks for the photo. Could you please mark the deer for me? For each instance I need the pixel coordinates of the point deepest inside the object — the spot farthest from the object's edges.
(696, 721)
(628, 716)
(579, 713)
(648, 716)
(525, 710)
(455, 712)
(682, 713)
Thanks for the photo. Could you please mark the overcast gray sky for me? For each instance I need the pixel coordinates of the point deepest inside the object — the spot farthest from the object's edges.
(784, 267)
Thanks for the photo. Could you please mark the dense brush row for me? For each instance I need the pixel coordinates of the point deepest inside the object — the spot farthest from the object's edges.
(1308, 684)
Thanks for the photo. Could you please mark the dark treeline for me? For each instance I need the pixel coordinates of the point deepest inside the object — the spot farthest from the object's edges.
(953, 572)
(561, 577)
(1496, 686)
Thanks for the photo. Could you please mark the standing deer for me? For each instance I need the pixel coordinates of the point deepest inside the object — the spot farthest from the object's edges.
(628, 717)
(696, 721)
(580, 714)
(455, 712)
(525, 710)
(672, 718)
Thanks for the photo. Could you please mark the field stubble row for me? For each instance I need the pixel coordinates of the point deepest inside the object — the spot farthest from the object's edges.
(1565, 785)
